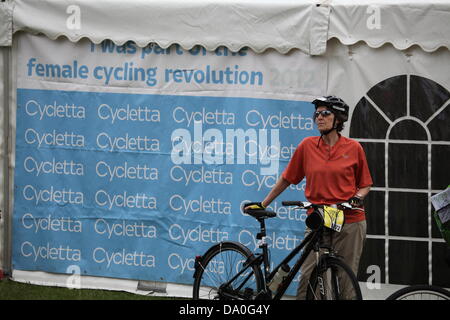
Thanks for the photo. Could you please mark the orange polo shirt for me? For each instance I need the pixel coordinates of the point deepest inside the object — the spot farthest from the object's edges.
(333, 174)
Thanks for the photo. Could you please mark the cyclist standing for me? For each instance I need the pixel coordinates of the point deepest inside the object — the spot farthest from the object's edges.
(336, 171)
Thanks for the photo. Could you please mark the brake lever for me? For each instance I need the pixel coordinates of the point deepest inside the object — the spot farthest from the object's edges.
(346, 205)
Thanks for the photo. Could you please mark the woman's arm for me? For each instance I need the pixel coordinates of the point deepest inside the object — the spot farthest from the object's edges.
(278, 188)
(362, 193)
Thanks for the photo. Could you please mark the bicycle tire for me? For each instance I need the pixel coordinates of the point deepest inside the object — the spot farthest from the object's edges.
(420, 292)
(220, 264)
(333, 280)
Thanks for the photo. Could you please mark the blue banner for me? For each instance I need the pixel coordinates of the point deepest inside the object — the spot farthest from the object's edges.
(136, 185)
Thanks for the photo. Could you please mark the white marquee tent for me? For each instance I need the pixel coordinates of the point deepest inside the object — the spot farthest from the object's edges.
(376, 54)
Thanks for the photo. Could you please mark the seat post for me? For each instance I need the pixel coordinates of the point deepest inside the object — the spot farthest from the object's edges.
(262, 227)
(262, 244)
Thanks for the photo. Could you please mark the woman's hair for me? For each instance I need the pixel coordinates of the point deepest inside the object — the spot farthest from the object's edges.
(340, 122)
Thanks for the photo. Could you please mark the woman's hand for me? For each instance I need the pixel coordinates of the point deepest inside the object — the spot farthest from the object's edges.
(254, 206)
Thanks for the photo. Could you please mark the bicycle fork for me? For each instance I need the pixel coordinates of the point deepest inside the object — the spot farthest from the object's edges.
(328, 281)
(322, 276)
(319, 266)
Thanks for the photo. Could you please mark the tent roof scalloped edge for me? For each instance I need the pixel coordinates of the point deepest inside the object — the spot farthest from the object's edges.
(281, 25)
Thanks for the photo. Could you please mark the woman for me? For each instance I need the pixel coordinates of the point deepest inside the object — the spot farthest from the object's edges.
(336, 171)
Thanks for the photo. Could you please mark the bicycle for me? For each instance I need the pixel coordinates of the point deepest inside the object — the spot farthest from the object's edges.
(230, 271)
(420, 292)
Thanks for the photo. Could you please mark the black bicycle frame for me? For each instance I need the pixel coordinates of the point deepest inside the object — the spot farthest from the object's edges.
(309, 241)
(263, 259)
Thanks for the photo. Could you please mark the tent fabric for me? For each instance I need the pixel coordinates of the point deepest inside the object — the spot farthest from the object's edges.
(5, 24)
(283, 25)
(402, 23)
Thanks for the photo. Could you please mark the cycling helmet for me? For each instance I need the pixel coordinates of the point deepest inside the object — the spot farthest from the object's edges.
(335, 104)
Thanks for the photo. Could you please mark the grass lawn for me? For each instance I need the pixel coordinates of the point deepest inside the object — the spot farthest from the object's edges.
(11, 290)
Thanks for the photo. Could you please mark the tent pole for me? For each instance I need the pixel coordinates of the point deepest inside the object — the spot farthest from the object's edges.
(6, 216)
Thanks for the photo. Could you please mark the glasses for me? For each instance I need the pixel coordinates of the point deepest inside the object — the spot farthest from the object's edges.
(323, 113)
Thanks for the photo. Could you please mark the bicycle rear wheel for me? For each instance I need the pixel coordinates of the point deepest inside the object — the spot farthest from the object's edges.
(219, 266)
(333, 280)
(420, 292)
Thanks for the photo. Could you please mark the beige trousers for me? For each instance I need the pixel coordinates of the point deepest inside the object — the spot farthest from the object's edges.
(348, 244)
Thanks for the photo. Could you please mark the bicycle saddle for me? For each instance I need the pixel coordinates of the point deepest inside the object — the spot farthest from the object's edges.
(260, 214)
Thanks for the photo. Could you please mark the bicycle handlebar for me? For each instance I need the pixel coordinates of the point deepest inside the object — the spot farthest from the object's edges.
(307, 205)
(292, 203)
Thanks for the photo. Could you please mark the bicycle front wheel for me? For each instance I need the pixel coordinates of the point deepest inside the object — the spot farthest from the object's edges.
(333, 280)
(223, 273)
(420, 292)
